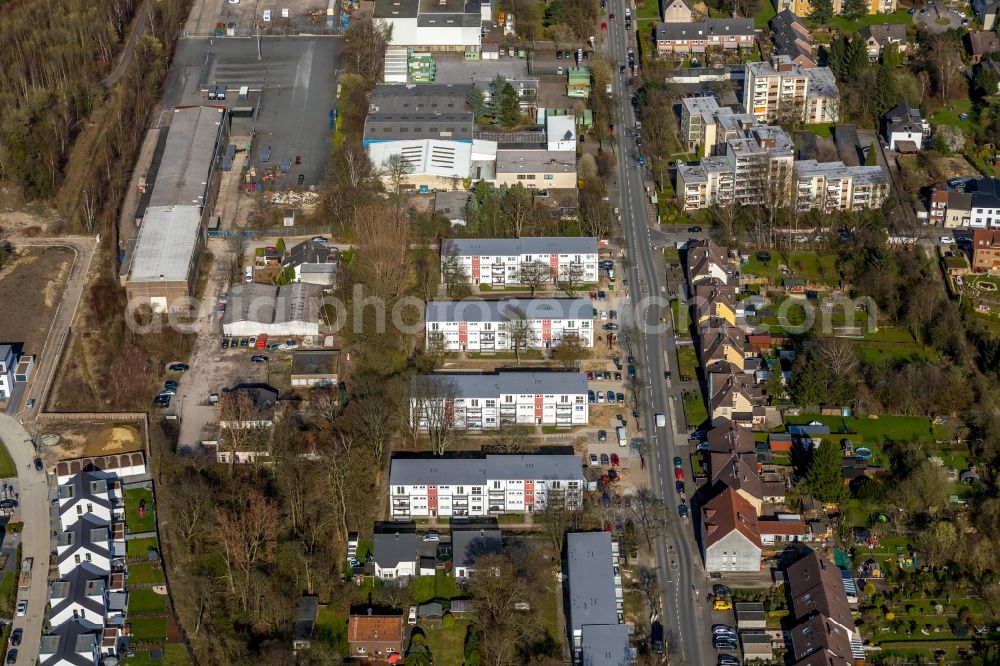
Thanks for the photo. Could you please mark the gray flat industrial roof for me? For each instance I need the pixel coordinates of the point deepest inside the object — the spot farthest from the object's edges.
(505, 310)
(606, 645)
(389, 98)
(166, 244)
(591, 579)
(468, 385)
(188, 157)
(536, 161)
(477, 470)
(454, 126)
(465, 247)
(431, 20)
(265, 304)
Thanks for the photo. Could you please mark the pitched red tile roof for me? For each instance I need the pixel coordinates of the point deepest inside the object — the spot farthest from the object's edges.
(726, 512)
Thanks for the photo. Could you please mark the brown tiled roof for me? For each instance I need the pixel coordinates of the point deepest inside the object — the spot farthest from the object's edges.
(816, 587)
(982, 42)
(819, 642)
(714, 339)
(709, 295)
(730, 437)
(726, 512)
(731, 380)
(700, 257)
(387, 628)
(786, 527)
(986, 238)
(737, 471)
(78, 465)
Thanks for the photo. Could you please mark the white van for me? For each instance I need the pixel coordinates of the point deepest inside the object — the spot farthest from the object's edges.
(248, 274)
(661, 421)
(622, 439)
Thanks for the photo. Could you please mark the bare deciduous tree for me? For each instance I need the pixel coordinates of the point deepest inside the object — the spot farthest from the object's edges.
(511, 437)
(650, 514)
(570, 351)
(534, 275)
(570, 279)
(432, 409)
(519, 332)
(453, 273)
(839, 356)
(383, 238)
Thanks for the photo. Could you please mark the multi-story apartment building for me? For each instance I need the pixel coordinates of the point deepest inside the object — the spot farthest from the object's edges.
(481, 485)
(483, 402)
(719, 34)
(985, 250)
(499, 261)
(782, 87)
(734, 395)
(595, 603)
(490, 326)
(804, 7)
(832, 186)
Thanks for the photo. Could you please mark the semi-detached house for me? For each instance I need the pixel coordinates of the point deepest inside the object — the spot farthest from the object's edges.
(484, 485)
(482, 402)
(486, 326)
(498, 261)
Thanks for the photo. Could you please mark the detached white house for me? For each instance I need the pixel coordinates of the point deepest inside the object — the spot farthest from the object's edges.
(729, 533)
(481, 485)
(498, 261)
(468, 545)
(482, 402)
(906, 129)
(485, 326)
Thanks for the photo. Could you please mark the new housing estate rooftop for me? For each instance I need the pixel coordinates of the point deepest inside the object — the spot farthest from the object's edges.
(475, 471)
(508, 309)
(541, 245)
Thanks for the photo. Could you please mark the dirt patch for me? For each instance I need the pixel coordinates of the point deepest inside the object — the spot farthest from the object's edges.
(30, 290)
(957, 167)
(95, 439)
(29, 221)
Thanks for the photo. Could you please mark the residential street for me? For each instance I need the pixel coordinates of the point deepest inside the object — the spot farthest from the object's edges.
(684, 581)
(35, 538)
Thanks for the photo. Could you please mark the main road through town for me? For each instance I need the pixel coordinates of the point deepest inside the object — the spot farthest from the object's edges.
(651, 342)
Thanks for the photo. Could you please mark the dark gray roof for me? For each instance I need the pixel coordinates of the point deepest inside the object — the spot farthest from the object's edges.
(188, 157)
(311, 252)
(505, 310)
(263, 396)
(705, 29)
(904, 118)
(431, 97)
(449, 126)
(606, 645)
(86, 487)
(477, 470)
(64, 643)
(86, 533)
(395, 547)
(452, 204)
(791, 36)
(884, 33)
(79, 587)
(848, 144)
(591, 579)
(464, 247)
(466, 385)
(469, 545)
(305, 619)
(985, 192)
(390, 9)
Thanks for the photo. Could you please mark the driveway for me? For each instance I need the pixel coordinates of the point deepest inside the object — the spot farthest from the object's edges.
(936, 19)
(35, 539)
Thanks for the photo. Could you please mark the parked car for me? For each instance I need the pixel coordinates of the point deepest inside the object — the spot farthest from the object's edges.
(22, 607)
(225, 343)
(728, 659)
(12, 655)
(258, 358)
(678, 463)
(169, 391)
(412, 616)
(679, 487)
(618, 376)
(170, 384)
(610, 326)
(611, 397)
(722, 604)
(615, 462)
(605, 460)
(679, 474)
(721, 590)
(15, 636)
(602, 435)
(590, 375)
(431, 536)
(682, 510)
(694, 230)
(600, 397)
(620, 397)
(591, 398)
(593, 460)
(718, 629)
(178, 367)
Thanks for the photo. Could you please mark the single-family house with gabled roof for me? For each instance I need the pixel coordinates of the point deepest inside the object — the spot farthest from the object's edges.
(89, 540)
(721, 342)
(730, 539)
(82, 594)
(314, 262)
(676, 11)
(375, 637)
(980, 44)
(817, 589)
(734, 395)
(714, 300)
(707, 260)
(468, 545)
(73, 643)
(396, 555)
(88, 494)
(880, 35)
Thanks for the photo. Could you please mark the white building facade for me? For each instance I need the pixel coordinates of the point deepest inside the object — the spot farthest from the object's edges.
(491, 485)
(482, 402)
(498, 261)
(485, 326)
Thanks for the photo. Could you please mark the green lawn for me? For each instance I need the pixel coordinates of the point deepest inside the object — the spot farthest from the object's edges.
(6, 464)
(873, 431)
(133, 497)
(682, 321)
(144, 573)
(823, 130)
(647, 10)
(901, 16)
(146, 601)
(687, 362)
(149, 628)
(332, 628)
(950, 114)
(694, 409)
(818, 268)
(439, 586)
(763, 18)
(137, 548)
(873, 352)
(448, 645)
(8, 590)
(174, 654)
(890, 334)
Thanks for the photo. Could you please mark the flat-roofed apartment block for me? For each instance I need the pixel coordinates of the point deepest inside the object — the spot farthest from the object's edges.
(595, 600)
(436, 25)
(498, 261)
(163, 268)
(481, 485)
(482, 402)
(782, 87)
(485, 326)
(833, 186)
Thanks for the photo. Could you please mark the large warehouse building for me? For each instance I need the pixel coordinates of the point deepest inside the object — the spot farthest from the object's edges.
(162, 270)
(292, 309)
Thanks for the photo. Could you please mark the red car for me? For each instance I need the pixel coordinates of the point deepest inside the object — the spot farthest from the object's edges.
(615, 460)
(604, 25)
(261, 340)
(590, 376)
(679, 474)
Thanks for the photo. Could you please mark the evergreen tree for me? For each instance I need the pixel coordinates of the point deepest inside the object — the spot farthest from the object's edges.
(891, 57)
(824, 475)
(886, 95)
(854, 9)
(857, 57)
(476, 101)
(822, 11)
(986, 82)
(508, 108)
(836, 58)
(870, 158)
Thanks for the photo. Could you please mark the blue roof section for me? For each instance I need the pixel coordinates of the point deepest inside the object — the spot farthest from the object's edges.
(591, 577)
(435, 471)
(606, 645)
(461, 385)
(475, 310)
(517, 246)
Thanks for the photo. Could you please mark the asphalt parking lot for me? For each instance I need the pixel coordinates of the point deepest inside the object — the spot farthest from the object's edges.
(298, 87)
(935, 18)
